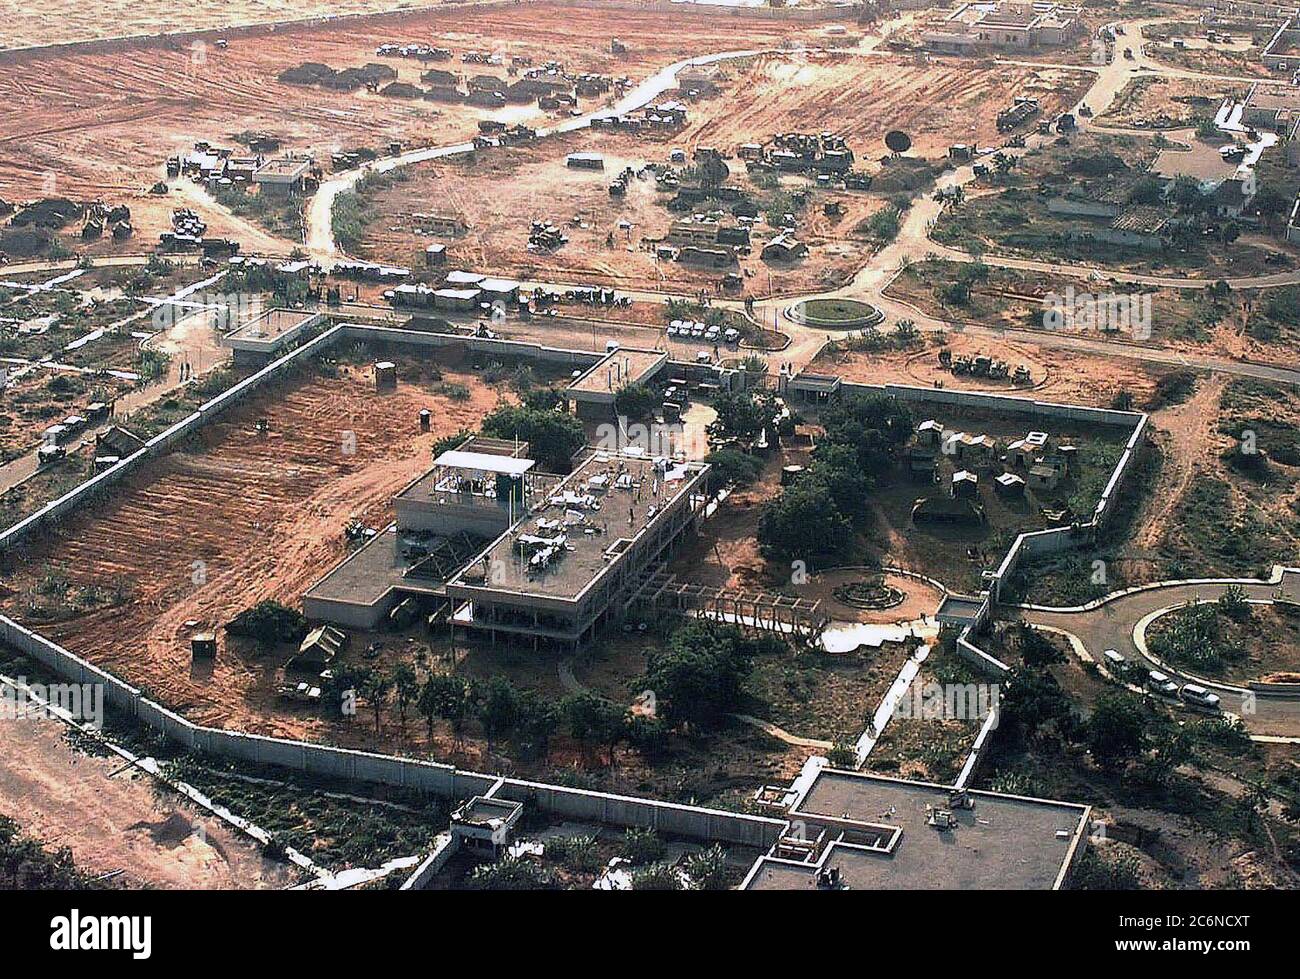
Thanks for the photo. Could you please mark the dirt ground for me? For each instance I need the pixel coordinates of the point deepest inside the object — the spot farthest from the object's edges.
(202, 535)
(102, 123)
(501, 192)
(1210, 515)
(862, 97)
(1163, 103)
(62, 22)
(1070, 376)
(1240, 57)
(115, 821)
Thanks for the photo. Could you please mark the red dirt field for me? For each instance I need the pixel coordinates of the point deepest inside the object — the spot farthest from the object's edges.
(117, 822)
(862, 97)
(263, 514)
(500, 192)
(1060, 375)
(103, 122)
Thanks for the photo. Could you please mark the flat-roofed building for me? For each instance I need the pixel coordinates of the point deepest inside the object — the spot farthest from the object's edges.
(973, 26)
(271, 333)
(283, 177)
(593, 391)
(873, 833)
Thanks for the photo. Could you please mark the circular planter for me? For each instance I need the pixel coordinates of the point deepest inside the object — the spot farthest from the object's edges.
(872, 594)
(835, 314)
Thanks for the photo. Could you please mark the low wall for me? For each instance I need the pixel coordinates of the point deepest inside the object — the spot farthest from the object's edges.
(1005, 403)
(847, 15)
(502, 348)
(973, 761)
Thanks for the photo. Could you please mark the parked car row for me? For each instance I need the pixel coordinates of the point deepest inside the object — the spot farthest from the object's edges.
(690, 328)
(1192, 694)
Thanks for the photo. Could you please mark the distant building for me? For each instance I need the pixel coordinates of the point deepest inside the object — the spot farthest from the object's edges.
(973, 26)
(283, 176)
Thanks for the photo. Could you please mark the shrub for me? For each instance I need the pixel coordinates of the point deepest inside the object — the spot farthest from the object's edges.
(269, 623)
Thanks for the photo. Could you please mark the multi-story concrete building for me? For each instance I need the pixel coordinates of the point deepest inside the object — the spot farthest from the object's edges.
(558, 574)
(515, 554)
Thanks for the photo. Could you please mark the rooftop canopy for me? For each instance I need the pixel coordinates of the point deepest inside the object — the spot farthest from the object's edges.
(484, 462)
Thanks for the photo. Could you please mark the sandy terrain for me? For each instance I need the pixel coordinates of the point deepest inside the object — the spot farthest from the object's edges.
(502, 191)
(61, 22)
(1163, 103)
(862, 97)
(103, 122)
(1071, 376)
(115, 821)
(99, 124)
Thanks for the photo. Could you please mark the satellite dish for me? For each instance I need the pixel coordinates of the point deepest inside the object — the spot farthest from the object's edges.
(898, 141)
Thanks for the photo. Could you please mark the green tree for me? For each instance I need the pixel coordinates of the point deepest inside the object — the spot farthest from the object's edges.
(708, 869)
(374, 689)
(499, 709)
(1030, 702)
(804, 523)
(407, 687)
(700, 677)
(538, 720)
(731, 467)
(1233, 603)
(835, 465)
(448, 697)
(1115, 729)
(636, 402)
(553, 437)
(656, 877)
(593, 719)
(513, 873)
(744, 414)
(1035, 648)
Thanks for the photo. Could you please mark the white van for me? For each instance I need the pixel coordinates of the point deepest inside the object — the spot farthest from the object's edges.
(703, 357)
(1114, 659)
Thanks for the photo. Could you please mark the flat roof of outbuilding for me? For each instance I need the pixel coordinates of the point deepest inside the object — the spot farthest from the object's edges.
(1005, 842)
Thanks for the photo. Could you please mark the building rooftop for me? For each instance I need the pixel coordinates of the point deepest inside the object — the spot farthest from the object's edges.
(1004, 842)
(283, 168)
(615, 371)
(272, 329)
(581, 525)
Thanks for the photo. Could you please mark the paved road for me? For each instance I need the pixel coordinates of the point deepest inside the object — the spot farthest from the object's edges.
(1112, 624)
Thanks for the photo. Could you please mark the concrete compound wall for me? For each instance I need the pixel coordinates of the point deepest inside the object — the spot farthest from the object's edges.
(502, 348)
(843, 14)
(445, 781)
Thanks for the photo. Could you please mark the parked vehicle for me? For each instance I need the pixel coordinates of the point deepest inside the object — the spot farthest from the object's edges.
(1160, 683)
(1115, 659)
(50, 453)
(1198, 696)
